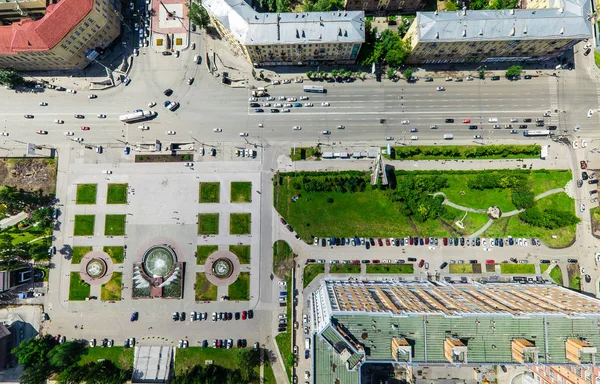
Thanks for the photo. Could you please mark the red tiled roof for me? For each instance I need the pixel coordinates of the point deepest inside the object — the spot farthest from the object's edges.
(46, 33)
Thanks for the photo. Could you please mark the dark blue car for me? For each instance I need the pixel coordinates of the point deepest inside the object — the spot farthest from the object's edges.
(134, 316)
(297, 105)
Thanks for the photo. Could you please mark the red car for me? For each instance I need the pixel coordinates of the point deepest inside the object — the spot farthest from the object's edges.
(282, 221)
(375, 261)
(380, 242)
(427, 241)
(490, 262)
(219, 343)
(387, 242)
(410, 240)
(355, 261)
(466, 121)
(85, 128)
(445, 241)
(421, 263)
(244, 315)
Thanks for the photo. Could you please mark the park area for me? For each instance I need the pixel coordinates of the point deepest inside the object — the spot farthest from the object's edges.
(412, 206)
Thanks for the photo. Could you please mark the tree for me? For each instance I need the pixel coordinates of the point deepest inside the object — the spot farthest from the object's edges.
(482, 73)
(396, 56)
(407, 74)
(309, 74)
(322, 5)
(513, 71)
(10, 78)
(33, 351)
(451, 5)
(64, 355)
(390, 73)
(198, 15)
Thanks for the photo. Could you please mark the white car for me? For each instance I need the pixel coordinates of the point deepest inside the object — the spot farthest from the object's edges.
(43, 104)
(292, 99)
(59, 121)
(92, 96)
(252, 99)
(325, 104)
(584, 143)
(144, 127)
(575, 144)
(217, 130)
(298, 80)
(303, 97)
(107, 172)
(478, 137)
(286, 81)
(69, 133)
(285, 110)
(275, 82)
(189, 165)
(270, 98)
(151, 104)
(244, 134)
(326, 132)
(308, 104)
(71, 91)
(288, 105)
(582, 207)
(78, 139)
(278, 105)
(297, 128)
(514, 120)
(102, 116)
(440, 89)
(170, 132)
(4, 133)
(590, 113)
(405, 122)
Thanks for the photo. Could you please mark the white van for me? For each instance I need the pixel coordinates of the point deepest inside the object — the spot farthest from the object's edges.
(307, 343)
(448, 136)
(414, 137)
(197, 59)
(493, 120)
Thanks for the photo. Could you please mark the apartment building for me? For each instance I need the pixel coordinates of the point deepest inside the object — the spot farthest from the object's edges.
(385, 7)
(416, 323)
(14, 10)
(61, 39)
(288, 38)
(536, 34)
(561, 374)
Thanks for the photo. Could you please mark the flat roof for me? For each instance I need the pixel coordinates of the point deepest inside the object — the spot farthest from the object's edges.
(253, 28)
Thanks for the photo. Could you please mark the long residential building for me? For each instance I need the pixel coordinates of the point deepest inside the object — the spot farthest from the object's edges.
(62, 38)
(385, 7)
(499, 35)
(288, 38)
(418, 323)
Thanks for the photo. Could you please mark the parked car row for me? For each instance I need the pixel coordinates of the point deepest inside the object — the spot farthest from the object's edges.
(431, 241)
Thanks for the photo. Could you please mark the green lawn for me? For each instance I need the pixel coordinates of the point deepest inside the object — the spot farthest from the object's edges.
(78, 253)
(203, 251)
(122, 357)
(556, 275)
(514, 269)
(311, 271)
(208, 224)
(239, 290)
(546, 180)
(575, 280)
(112, 289)
(390, 268)
(84, 225)
(269, 376)
(239, 223)
(544, 267)
(114, 225)
(189, 357)
(283, 259)
(472, 222)
(597, 58)
(425, 152)
(205, 290)
(116, 253)
(344, 268)
(242, 252)
(210, 192)
(300, 153)
(461, 268)
(284, 340)
(117, 194)
(86, 193)
(241, 192)
(78, 289)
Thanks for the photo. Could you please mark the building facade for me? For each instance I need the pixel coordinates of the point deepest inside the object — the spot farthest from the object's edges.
(288, 38)
(499, 35)
(385, 7)
(11, 11)
(565, 374)
(62, 38)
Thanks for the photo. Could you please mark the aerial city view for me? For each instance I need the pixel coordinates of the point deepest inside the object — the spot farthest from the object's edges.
(300, 192)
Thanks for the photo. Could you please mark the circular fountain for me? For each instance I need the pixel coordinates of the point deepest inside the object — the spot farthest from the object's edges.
(158, 261)
(222, 268)
(96, 268)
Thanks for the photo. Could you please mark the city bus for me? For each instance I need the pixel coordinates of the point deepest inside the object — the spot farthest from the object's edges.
(540, 132)
(137, 115)
(314, 89)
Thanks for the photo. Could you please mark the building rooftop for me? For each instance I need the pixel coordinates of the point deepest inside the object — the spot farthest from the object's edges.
(253, 28)
(569, 19)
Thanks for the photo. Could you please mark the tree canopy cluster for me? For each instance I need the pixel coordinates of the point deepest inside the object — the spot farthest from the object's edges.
(198, 15)
(389, 48)
(19, 200)
(340, 183)
(11, 78)
(456, 152)
(275, 5)
(514, 71)
(492, 4)
(322, 5)
(550, 218)
(247, 360)
(414, 196)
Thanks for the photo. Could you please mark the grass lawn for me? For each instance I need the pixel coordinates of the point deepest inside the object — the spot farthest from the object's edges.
(472, 222)
(210, 192)
(78, 289)
(208, 224)
(112, 289)
(461, 268)
(459, 193)
(284, 340)
(269, 376)
(463, 151)
(311, 271)
(298, 154)
(115, 253)
(86, 193)
(242, 252)
(84, 225)
(516, 228)
(390, 268)
(78, 253)
(114, 225)
(203, 251)
(205, 290)
(117, 194)
(122, 357)
(187, 358)
(544, 267)
(239, 224)
(241, 192)
(240, 289)
(283, 258)
(344, 268)
(545, 181)
(575, 280)
(556, 275)
(597, 58)
(512, 269)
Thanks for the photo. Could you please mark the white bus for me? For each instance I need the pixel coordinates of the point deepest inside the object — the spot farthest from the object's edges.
(137, 115)
(314, 89)
(539, 132)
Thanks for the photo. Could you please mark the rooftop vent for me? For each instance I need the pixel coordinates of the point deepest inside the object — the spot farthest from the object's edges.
(255, 17)
(296, 15)
(464, 33)
(437, 35)
(464, 11)
(481, 32)
(562, 30)
(512, 31)
(345, 33)
(512, 11)
(436, 12)
(297, 34)
(525, 30)
(345, 14)
(561, 10)
(339, 31)
(303, 34)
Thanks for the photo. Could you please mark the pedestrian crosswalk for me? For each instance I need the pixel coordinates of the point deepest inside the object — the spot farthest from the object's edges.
(553, 92)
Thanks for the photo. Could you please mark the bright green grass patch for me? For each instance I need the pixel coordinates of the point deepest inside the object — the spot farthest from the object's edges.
(456, 152)
(556, 275)
(269, 376)
(78, 253)
(116, 253)
(390, 268)
(187, 358)
(472, 222)
(300, 153)
(284, 340)
(311, 271)
(203, 251)
(344, 268)
(112, 289)
(512, 269)
(122, 357)
(575, 280)
(546, 180)
(114, 225)
(242, 252)
(597, 58)
(282, 259)
(241, 192)
(210, 192)
(84, 225)
(78, 289)
(117, 194)
(208, 224)
(239, 290)
(205, 290)
(461, 268)
(239, 224)
(544, 267)
(86, 193)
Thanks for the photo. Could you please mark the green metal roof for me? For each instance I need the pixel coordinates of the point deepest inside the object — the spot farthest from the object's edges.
(329, 368)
